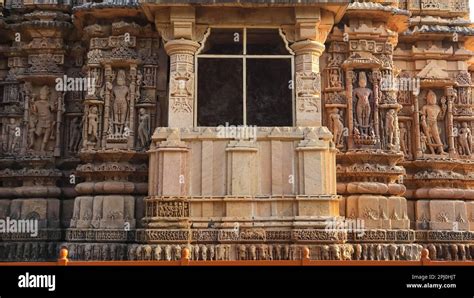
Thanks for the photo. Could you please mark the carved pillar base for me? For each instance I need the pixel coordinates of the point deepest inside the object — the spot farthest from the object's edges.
(316, 156)
(167, 205)
(108, 202)
(375, 194)
(30, 213)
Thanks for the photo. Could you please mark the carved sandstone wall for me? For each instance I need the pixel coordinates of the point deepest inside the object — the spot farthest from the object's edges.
(121, 171)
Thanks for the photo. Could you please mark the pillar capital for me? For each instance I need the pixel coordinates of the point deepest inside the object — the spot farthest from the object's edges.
(181, 46)
(308, 47)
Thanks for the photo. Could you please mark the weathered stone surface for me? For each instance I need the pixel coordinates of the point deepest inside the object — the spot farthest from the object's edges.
(117, 166)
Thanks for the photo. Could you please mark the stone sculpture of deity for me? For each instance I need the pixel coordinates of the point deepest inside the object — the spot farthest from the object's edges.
(120, 100)
(74, 134)
(139, 84)
(465, 139)
(42, 120)
(143, 127)
(390, 127)
(430, 113)
(362, 94)
(13, 136)
(334, 80)
(337, 126)
(93, 124)
(403, 139)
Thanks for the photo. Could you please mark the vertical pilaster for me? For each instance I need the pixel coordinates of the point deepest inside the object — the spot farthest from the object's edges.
(416, 128)
(315, 154)
(450, 122)
(242, 175)
(108, 84)
(308, 82)
(133, 92)
(182, 82)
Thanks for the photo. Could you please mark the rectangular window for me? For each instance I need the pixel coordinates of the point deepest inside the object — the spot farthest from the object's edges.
(245, 76)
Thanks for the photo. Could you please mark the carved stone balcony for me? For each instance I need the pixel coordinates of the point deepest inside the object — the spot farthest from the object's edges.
(282, 177)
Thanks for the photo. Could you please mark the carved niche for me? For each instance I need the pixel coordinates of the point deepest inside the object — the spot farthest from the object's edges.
(364, 109)
(432, 114)
(119, 117)
(44, 119)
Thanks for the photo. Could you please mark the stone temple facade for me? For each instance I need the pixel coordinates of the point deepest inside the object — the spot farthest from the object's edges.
(240, 129)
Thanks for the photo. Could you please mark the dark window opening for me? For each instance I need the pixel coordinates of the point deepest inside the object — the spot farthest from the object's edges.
(255, 58)
(220, 92)
(269, 100)
(225, 42)
(265, 42)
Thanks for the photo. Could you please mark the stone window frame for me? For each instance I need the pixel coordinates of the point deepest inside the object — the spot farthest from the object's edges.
(244, 58)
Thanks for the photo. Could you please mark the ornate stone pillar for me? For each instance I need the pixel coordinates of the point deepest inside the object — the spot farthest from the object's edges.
(308, 82)
(416, 130)
(362, 112)
(182, 37)
(311, 30)
(181, 91)
(450, 122)
(133, 92)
